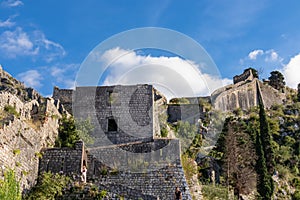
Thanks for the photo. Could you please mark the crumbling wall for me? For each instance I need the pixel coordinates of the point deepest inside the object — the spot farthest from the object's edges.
(22, 138)
(64, 96)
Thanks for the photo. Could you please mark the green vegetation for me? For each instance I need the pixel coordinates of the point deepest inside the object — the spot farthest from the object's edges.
(49, 188)
(190, 169)
(16, 151)
(277, 81)
(71, 130)
(10, 187)
(214, 192)
(179, 101)
(186, 132)
(265, 152)
(11, 110)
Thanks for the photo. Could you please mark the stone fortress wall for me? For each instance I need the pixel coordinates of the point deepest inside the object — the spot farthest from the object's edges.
(148, 167)
(243, 94)
(247, 75)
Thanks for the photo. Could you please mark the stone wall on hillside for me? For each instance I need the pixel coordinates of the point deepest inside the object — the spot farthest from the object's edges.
(22, 137)
(185, 112)
(68, 161)
(64, 96)
(119, 114)
(247, 75)
(145, 170)
(244, 95)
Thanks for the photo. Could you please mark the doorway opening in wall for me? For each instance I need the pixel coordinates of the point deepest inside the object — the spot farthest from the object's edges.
(112, 125)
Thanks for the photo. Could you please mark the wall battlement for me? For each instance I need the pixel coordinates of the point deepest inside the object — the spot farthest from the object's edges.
(247, 75)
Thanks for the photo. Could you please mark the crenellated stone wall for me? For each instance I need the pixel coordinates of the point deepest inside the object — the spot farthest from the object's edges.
(247, 75)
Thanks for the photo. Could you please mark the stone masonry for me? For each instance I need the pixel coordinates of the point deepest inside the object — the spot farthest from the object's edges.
(138, 165)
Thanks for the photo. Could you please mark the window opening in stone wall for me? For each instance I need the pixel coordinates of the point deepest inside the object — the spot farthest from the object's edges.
(62, 164)
(112, 125)
(113, 98)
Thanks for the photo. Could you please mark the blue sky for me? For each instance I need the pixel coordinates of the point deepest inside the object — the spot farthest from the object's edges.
(43, 43)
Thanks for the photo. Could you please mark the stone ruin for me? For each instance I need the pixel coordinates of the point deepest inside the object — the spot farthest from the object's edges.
(247, 75)
(126, 158)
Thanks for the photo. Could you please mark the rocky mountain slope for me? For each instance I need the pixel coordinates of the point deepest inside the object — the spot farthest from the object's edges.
(28, 123)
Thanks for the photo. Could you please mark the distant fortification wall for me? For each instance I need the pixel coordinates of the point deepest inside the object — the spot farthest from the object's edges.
(185, 112)
(64, 96)
(247, 75)
(244, 96)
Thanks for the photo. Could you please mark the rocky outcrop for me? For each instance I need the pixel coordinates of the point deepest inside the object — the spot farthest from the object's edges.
(28, 122)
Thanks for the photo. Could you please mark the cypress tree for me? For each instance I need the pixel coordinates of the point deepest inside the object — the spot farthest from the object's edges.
(265, 150)
(264, 186)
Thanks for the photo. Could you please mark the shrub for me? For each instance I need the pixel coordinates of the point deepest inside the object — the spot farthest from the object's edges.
(10, 187)
(11, 110)
(16, 151)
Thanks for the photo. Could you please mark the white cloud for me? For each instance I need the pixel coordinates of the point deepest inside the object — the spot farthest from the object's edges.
(269, 56)
(272, 56)
(7, 23)
(291, 72)
(173, 76)
(14, 43)
(20, 43)
(253, 54)
(31, 78)
(64, 75)
(12, 3)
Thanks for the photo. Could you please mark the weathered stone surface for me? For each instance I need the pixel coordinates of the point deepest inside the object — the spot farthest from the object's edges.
(244, 95)
(68, 161)
(185, 112)
(23, 137)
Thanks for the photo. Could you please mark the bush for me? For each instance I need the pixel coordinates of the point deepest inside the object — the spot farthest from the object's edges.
(11, 110)
(10, 187)
(49, 187)
(214, 192)
(164, 132)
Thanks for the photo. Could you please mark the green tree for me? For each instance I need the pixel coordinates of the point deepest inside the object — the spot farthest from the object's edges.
(277, 80)
(264, 186)
(71, 130)
(84, 128)
(265, 152)
(10, 187)
(49, 187)
(186, 132)
(67, 134)
(266, 139)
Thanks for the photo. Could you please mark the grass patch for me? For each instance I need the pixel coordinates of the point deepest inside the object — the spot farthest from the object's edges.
(214, 192)
(11, 110)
